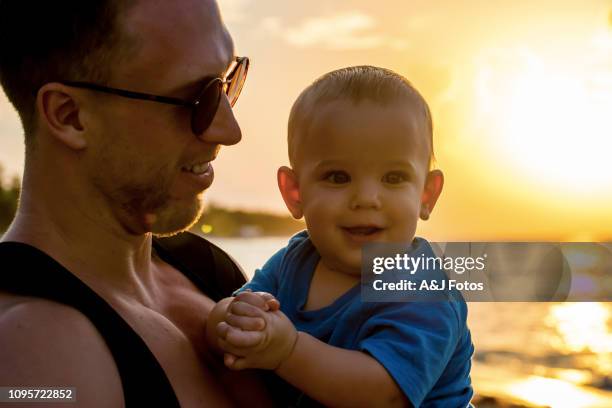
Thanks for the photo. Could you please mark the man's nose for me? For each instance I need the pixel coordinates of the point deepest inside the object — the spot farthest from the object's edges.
(365, 196)
(224, 129)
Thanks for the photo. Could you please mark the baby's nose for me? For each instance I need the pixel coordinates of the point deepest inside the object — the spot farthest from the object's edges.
(365, 197)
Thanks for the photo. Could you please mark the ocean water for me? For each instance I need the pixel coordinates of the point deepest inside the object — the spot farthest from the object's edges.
(556, 355)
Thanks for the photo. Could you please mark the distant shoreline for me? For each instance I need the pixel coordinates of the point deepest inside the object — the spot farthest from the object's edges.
(225, 223)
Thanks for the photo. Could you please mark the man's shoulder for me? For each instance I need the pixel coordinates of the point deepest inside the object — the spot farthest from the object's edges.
(32, 312)
(36, 321)
(45, 343)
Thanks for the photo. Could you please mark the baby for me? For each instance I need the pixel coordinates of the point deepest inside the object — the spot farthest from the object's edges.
(360, 148)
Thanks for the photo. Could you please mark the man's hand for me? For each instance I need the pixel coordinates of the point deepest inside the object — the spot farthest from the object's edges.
(255, 334)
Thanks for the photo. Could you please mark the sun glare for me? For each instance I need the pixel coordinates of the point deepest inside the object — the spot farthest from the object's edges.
(551, 118)
(555, 393)
(583, 327)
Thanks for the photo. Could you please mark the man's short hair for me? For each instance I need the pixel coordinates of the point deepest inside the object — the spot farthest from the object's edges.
(46, 41)
(364, 82)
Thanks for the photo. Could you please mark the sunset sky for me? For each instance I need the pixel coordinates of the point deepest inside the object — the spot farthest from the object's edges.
(521, 95)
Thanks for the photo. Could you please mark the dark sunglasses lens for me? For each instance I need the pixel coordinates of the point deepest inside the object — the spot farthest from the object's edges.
(237, 81)
(204, 113)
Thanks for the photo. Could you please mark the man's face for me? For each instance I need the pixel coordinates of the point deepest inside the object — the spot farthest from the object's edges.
(361, 170)
(139, 151)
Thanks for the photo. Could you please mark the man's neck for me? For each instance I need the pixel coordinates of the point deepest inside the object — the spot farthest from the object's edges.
(88, 241)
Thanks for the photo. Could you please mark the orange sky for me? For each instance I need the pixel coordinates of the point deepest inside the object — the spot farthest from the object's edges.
(521, 94)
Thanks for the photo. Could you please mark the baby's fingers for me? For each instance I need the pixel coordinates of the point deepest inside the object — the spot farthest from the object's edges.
(229, 348)
(222, 329)
(235, 351)
(240, 308)
(236, 363)
(252, 298)
(238, 338)
(229, 359)
(271, 302)
(245, 323)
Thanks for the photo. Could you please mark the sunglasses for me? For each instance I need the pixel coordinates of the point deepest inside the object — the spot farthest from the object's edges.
(203, 107)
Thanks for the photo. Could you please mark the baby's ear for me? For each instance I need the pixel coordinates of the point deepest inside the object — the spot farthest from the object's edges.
(290, 190)
(431, 192)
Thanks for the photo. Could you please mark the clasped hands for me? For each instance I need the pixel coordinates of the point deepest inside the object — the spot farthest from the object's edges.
(255, 333)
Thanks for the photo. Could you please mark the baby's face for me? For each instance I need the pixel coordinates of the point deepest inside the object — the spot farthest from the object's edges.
(361, 171)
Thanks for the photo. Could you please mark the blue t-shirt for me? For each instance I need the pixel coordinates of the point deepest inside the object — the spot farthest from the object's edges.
(425, 346)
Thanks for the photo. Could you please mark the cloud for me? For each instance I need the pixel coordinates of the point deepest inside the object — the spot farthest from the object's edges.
(345, 31)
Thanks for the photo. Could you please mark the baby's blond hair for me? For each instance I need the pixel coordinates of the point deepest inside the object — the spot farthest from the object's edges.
(364, 82)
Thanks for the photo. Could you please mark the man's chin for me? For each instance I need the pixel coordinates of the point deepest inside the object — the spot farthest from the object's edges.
(174, 220)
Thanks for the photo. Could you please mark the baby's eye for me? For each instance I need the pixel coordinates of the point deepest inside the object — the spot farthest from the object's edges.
(395, 177)
(337, 177)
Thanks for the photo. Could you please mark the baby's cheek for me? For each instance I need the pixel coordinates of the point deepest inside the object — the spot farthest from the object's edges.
(404, 217)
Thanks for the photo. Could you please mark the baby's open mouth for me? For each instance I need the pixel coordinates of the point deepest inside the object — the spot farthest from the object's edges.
(362, 230)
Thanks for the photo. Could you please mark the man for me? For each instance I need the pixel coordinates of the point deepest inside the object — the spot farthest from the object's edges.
(88, 299)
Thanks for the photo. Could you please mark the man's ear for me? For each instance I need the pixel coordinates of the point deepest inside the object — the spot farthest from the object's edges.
(290, 190)
(58, 110)
(431, 192)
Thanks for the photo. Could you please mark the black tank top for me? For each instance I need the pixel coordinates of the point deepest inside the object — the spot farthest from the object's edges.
(27, 271)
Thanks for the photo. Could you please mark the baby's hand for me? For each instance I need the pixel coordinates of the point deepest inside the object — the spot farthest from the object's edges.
(266, 348)
(263, 300)
(245, 311)
(241, 312)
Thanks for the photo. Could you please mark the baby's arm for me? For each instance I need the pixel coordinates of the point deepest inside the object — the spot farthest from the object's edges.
(328, 374)
(339, 377)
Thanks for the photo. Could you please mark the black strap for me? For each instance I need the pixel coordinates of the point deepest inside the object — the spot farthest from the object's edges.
(212, 270)
(27, 271)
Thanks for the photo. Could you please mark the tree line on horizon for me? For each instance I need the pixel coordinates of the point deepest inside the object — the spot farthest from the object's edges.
(222, 222)
(9, 195)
